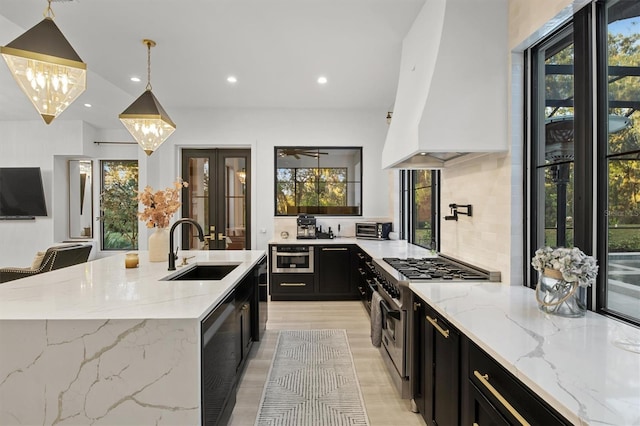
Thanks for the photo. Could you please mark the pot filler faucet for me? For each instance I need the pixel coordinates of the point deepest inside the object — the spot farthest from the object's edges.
(173, 256)
(455, 212)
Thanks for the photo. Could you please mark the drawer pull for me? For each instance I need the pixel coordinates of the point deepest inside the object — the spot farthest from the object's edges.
(293, 284)
(335, 249)
(484, 379)
(434, 322)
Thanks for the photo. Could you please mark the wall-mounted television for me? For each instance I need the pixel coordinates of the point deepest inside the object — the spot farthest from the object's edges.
(21, 193)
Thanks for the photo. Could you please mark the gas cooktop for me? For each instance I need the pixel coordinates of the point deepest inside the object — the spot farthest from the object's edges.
(435, 269)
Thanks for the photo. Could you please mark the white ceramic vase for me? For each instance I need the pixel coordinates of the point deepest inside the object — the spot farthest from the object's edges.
(159, 245)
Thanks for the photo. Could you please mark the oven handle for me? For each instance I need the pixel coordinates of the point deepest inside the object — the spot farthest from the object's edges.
(372, 287)
(395, 314)
(297, 254)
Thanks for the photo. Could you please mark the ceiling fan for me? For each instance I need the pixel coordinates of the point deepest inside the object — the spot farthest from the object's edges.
(297, 152)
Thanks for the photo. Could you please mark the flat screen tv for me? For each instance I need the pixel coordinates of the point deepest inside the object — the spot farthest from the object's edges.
(21, 193)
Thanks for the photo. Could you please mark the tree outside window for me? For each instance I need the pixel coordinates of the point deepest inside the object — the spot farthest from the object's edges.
(318, 181)
(119, 205)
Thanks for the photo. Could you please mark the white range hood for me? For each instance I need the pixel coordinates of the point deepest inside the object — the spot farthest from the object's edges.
(451, 102)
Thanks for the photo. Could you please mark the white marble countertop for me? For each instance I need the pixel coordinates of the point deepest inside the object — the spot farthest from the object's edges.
(105, 289)
(375, 248)
(575, 364)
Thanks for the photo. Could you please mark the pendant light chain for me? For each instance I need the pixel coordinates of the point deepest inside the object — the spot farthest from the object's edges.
(48, 12)
(148, 65)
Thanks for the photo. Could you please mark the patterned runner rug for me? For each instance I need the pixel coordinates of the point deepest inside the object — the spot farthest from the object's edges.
(312, 382)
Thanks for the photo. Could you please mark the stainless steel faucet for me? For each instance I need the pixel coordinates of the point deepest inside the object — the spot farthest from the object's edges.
(173, 256)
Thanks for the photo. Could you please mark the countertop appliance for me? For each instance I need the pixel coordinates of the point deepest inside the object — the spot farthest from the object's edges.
(373, 230)
(392, 278)
(306, 227)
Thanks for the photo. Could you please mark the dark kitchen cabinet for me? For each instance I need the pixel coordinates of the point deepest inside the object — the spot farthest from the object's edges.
(334, 270)
(332, 277)
(292, 286)
(220, 360)
(436, 386)
(453, 381)
(227, 335)
(245, 304)
(495, 396)
(362, 276)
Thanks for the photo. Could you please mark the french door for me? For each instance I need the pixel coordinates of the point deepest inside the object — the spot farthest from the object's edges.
(218, 197)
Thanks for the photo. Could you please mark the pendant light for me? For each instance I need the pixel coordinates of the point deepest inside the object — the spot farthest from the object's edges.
(46, 67)
(145, 119)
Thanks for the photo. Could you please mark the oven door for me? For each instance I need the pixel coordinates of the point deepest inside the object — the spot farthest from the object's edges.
(292, 261)
(393, 335)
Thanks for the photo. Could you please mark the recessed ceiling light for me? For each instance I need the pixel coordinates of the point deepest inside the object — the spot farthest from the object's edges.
(87, 105)
(423, 153)
(322, 80)
(232, 79)
(135, 79)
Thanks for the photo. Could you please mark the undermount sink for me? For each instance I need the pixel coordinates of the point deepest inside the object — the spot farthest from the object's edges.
(204, 273)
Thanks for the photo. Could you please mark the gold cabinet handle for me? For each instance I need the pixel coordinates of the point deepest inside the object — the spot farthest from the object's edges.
(484, 379)
(221, 236)
(293, 284)
(475, 424)
(434, 322)
(334, 249)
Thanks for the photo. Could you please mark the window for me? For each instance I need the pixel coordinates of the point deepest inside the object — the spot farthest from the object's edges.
(620, 294)
(584, 163)
(553, 160)
(118, 205)
(420, 207)
(318, 181)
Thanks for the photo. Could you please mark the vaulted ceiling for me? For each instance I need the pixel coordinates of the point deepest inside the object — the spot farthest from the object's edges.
(276, 49)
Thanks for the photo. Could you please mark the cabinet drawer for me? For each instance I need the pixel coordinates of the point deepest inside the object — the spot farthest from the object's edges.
(293, 284)
(502, 390)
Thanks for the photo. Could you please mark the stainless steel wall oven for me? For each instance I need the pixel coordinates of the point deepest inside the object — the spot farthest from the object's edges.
(292, 258)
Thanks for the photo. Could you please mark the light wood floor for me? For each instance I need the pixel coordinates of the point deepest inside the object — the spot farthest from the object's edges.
(382, 401)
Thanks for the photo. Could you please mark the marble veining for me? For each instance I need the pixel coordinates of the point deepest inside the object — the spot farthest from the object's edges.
(99, 372)
(575, 364)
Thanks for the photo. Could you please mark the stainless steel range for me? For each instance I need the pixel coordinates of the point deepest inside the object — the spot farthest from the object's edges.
(393, 276)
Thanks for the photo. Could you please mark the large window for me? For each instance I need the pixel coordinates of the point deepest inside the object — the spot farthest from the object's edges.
(419, 207)
(621, 291)
(553, 160)
(584, 186)
(318, 181)
(118, 204)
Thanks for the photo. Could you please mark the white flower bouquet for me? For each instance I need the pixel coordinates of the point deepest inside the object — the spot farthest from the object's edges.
(572, 263)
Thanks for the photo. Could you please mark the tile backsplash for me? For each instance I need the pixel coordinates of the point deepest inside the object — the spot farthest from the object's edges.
(346, 224)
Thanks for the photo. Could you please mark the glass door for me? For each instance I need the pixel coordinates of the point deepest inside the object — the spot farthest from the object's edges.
(217, 197)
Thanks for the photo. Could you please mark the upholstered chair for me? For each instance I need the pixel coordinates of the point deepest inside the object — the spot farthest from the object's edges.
(55, 257)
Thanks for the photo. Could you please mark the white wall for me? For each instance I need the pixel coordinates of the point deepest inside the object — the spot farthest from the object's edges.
(34, 144)
(262, 130)
(493, 184)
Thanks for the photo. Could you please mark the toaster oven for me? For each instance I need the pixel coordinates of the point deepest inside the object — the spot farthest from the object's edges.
(373, 230)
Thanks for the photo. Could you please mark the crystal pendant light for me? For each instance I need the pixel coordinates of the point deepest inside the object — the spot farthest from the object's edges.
(145, 119)
(46, 67)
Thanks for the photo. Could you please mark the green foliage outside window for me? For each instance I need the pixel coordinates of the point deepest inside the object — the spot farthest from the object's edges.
(119, 205)
(311, 187)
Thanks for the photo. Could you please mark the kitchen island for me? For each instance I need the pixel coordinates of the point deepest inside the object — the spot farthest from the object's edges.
(100, 344)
